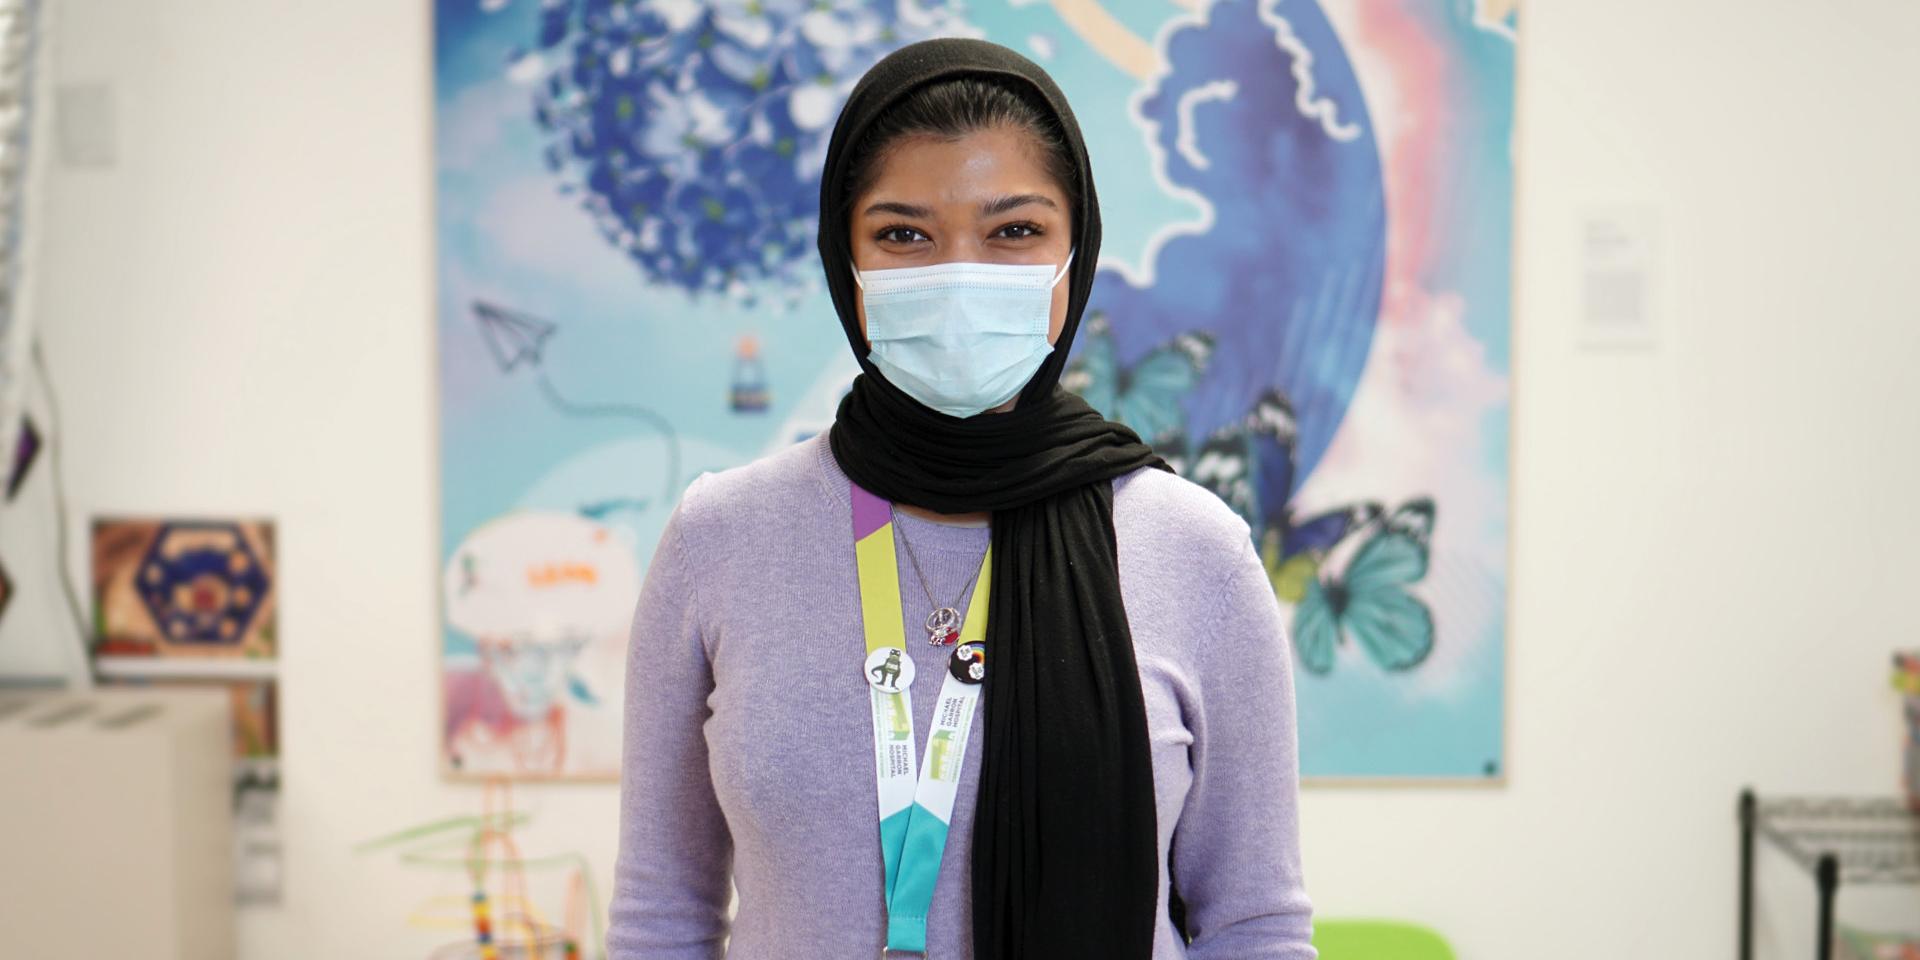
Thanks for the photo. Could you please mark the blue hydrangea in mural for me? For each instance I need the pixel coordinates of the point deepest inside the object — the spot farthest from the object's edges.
(694, 132)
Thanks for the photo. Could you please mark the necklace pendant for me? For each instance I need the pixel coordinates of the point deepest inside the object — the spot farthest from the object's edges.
(943, 626)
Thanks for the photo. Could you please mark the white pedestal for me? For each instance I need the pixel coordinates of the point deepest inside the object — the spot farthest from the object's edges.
(116, 824)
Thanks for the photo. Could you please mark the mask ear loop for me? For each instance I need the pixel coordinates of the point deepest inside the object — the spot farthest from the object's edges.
(1063, 271)
(856, 276)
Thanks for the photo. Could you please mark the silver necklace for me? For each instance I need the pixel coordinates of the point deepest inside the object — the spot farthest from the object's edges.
(943, 624)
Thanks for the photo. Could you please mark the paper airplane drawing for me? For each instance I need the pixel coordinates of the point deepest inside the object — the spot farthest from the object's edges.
(513, 336)
(517, 338)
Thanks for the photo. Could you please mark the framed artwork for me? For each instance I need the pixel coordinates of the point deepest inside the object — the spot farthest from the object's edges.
(1303, 300)
(184, 588)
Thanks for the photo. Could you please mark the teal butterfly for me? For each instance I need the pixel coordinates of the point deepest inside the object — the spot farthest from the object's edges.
(1147, 395)
(1370, 600)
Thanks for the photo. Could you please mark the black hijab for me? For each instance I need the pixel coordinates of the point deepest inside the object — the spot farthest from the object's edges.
(1065, 860)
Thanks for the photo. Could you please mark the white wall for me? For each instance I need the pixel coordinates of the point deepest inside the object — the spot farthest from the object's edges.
(1713, 540)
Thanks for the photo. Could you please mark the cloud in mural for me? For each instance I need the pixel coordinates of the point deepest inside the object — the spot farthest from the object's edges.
(541, 576)
(473, 125)
(545, 599)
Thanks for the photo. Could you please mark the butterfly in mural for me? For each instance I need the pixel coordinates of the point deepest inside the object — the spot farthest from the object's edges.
(1251, 466)
(1146, 395)
(1371, 600)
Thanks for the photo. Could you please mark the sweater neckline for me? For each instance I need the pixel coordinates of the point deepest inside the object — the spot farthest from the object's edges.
(926, 534)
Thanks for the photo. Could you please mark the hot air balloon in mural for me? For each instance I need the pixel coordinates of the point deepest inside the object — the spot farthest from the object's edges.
(748, 391)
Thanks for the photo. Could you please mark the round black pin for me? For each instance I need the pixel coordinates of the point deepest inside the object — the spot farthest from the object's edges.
(968, 663)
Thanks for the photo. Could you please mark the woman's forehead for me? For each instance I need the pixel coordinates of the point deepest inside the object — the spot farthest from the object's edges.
(963, 170)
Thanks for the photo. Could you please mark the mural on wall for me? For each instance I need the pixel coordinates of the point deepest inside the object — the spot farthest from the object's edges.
(1303, 302)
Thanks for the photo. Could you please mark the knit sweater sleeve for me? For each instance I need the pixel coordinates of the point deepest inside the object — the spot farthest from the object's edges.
(672, 872)
(1236, 848)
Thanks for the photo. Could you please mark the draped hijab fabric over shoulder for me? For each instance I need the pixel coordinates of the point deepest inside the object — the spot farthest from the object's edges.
(1065, 843)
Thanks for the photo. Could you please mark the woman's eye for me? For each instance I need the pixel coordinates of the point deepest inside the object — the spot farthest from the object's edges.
(898, 235)
(1020, 231)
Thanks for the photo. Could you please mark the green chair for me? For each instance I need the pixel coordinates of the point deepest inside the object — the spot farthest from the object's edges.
(1377, 940)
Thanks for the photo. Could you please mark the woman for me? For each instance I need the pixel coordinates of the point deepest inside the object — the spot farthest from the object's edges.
(1103, 626)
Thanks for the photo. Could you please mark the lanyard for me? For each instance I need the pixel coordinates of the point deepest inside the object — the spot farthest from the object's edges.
(915, 807)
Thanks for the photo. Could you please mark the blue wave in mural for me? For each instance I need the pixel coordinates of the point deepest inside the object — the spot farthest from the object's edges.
(1261, 117)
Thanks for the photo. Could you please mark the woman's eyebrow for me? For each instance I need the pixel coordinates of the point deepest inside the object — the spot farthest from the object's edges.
(902, 209)
(1001, 205)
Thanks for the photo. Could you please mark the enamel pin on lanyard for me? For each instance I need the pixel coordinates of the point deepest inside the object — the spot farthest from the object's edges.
(915, 806)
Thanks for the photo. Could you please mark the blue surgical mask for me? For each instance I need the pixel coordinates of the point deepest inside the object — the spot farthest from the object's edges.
(961, 338)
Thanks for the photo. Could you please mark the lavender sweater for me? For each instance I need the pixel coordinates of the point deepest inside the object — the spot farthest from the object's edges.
(749, 751)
